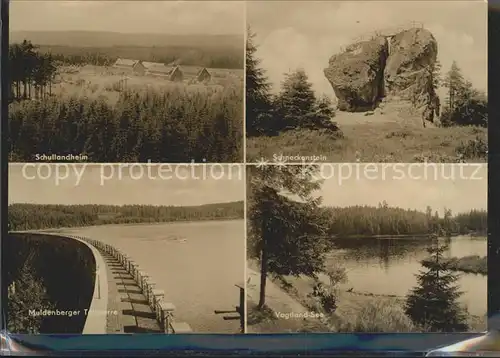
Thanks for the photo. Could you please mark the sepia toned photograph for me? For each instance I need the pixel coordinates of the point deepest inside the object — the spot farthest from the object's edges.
(367, 248)
(126, 81)
(110, 249)
(367, 81)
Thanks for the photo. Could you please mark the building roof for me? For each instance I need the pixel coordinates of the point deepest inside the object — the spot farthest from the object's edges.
(152, 64)
(163, 70)
(203, 70)
(126, 62)
(166, 70)
(193, 70)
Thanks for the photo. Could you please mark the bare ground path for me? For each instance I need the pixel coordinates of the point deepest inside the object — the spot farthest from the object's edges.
(277, 301)
(125, 297)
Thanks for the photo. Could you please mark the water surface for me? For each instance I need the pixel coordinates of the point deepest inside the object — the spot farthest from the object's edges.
(388, 266)
(196, 263)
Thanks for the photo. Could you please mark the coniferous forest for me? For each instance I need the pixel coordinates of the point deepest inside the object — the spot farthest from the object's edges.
(105, 56)
(178, 126)
(385, 220)
(35, 217)
(113, 122)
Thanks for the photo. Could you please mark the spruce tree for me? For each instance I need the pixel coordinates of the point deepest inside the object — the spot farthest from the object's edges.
(297, 101)
(286, 236)
(454, 82)
(259, 119)
(466, 105)
(436, 75)
(25, 294)
(433, 303)
(298, 107)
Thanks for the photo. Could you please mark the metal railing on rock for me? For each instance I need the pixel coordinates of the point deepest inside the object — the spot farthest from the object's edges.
(387, 32)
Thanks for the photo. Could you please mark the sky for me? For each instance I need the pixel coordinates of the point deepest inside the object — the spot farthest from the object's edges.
(82, 185)
(305, 34)
(165, 17)
(438, 186)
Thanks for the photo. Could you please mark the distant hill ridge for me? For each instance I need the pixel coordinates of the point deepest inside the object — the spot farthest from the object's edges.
(110, 39)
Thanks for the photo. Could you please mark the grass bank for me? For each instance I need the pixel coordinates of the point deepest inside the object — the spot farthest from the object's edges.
(469, 264)
(412, 236)
(356, 311)
(376, 142)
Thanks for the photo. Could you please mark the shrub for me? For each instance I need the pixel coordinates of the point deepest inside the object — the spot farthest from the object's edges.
(378, 317)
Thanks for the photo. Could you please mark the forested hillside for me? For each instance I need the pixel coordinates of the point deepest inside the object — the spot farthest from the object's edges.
(34, 217)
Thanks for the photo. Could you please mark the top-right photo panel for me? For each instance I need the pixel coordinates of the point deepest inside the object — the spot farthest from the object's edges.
(374, 81)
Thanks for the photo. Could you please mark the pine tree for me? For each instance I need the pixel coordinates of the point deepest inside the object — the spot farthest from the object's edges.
(436, 75)
(298, 107)
(448, 224)
(433, 303)
(429, 220)
(26, 293)
(454, 81)
(297, 101)
(466, 105)
(259, 119)
(287, 236)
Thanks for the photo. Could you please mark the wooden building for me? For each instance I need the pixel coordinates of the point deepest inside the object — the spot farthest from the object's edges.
(196, 73)
(203, 75)
(172, 73)
(127, 65)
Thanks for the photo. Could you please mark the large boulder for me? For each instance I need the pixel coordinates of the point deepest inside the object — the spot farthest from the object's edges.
(408, 70)
(398, 65)
(356, 75)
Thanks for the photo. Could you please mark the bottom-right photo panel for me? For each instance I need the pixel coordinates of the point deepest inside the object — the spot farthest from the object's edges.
(366, 248)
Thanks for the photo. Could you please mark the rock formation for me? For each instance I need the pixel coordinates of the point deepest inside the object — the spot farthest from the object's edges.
(357, 75)
(387, 67)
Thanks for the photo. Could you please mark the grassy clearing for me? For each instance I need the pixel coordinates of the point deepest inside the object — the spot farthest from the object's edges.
(97, 81)
(377, 142)
(470, 264)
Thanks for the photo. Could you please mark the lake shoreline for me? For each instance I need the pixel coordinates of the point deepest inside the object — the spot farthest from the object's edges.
(403, 236)
(353, 305)
(127, 224)
(472, 264)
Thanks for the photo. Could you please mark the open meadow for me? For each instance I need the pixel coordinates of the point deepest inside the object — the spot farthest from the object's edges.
(385, 142)
(89, 90)
(106, 82)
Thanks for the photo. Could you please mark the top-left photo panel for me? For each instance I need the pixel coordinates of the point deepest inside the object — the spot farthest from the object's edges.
(126, 81)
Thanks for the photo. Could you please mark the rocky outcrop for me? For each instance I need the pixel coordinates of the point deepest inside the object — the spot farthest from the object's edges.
(394, 66)
(357, 75)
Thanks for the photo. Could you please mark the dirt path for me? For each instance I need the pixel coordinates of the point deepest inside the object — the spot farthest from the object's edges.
(278, 302)
(276, 299)
(359, 118)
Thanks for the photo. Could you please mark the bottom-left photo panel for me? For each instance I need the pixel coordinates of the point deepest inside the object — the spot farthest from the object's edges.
(125, 248)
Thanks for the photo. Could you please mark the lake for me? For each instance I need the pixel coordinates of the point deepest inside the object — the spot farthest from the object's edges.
(388, 266)
(196, 263)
